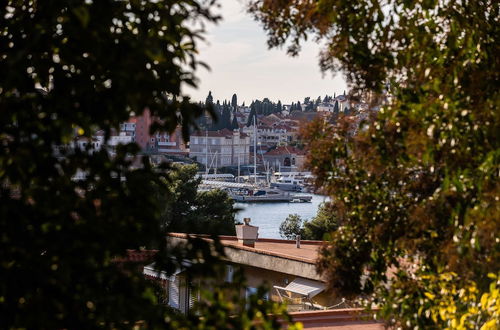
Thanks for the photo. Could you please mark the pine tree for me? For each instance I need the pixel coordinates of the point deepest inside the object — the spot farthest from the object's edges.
(279, 107)
(299, 107)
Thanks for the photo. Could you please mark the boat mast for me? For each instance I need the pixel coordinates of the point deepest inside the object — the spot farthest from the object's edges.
(238, 167)
(206, 151)
(255, 149)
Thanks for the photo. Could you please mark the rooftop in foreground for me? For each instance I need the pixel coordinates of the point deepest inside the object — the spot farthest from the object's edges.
(308, 251)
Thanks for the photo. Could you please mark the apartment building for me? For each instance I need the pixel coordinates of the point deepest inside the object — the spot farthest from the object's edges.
(220, 148)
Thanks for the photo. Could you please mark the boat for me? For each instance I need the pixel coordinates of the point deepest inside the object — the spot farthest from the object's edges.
(291, 181)
(267, 195)
(288, 184)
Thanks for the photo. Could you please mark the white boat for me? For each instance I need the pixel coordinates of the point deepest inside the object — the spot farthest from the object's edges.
(267, 195)
(288, 184)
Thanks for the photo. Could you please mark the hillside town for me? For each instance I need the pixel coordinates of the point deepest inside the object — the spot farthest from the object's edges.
(262, 134)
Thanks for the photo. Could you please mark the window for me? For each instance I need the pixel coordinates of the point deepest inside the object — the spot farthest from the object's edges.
(229, 273)
(173, 292)
(250, 291)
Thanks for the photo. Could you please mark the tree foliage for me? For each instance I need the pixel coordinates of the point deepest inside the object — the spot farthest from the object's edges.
(67, 69)
(189, 211)
(321, 225)
(291, 226)
(315, 229)
(418, 185)
(234, 102)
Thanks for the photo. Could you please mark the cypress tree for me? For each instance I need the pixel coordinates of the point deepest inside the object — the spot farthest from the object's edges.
(209, 100)
(253, 114)
(234, 124)
(234, 102)
(226, 117)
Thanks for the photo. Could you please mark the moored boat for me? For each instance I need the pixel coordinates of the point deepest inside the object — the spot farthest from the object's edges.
(268, 195)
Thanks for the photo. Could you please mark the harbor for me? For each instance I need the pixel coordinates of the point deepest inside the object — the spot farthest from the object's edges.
(268, 216)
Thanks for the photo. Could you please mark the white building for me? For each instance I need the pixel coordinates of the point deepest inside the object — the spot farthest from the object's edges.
(220, 148)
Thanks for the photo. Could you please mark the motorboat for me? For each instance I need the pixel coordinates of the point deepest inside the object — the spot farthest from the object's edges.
(288, 184)
(267, 195)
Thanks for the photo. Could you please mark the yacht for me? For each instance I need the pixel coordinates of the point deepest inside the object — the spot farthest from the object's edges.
(267, 195)
(288, 184)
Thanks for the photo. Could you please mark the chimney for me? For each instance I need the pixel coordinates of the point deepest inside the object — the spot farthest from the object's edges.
(297, 241)
(247, 234)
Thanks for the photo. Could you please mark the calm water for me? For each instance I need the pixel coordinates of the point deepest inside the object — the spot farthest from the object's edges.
(268, 216)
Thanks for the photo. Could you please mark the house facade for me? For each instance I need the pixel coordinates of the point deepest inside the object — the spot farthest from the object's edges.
(282, 265)
(220, 148)
(286, 158)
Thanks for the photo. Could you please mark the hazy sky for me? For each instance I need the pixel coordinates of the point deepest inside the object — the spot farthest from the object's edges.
(241, 63)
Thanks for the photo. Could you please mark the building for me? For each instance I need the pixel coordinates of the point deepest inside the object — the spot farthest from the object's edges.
(272, 130)
(286, 158)
(287, 267)
(220, 148)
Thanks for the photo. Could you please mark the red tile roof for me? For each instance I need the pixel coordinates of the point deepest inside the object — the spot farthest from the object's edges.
(308, 251)
(341, 319)
(222, 133)
(285, 150)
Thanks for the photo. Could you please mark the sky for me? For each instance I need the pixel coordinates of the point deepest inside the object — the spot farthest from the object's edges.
(241, 63)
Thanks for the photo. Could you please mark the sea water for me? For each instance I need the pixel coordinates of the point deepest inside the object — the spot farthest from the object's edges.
(268, 216)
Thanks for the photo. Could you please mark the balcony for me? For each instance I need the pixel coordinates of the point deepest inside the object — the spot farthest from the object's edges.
(166, 144)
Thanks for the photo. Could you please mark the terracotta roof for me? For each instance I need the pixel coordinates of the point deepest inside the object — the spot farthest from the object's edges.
(341, 319)
(268, 120)
(308, 251)
(285, 150)
(222, 133)
(300, 115)
(283, 126)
